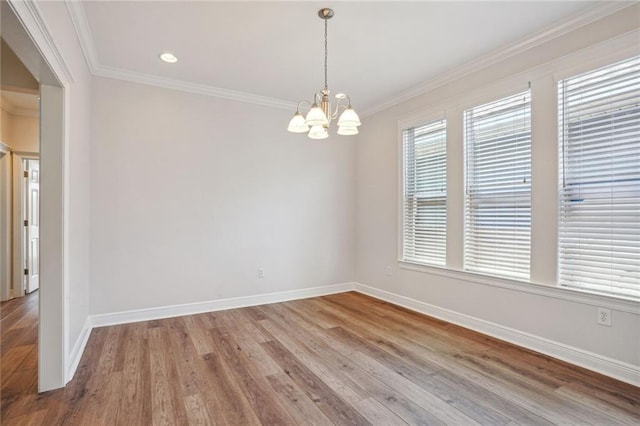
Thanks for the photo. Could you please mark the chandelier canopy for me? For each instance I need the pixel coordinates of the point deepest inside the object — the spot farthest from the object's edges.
(321, 112)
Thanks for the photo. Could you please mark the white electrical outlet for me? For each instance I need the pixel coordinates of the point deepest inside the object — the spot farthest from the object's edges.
(604, 316)
(389, 271)
(260, 273)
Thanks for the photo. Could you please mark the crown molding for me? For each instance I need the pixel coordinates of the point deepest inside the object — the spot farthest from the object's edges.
(547, 34)
(83, 30)
(185, 86)
(30, 16)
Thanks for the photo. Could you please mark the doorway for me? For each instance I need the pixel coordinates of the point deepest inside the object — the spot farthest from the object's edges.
(30, 218)
(23, 30)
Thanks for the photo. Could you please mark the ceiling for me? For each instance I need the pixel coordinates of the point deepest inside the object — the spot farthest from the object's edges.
(274, 50)
(18, 103)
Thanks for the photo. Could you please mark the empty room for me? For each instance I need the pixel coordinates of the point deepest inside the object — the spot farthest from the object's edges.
(296, 212)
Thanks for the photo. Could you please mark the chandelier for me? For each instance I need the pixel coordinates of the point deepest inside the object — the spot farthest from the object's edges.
(321, 112)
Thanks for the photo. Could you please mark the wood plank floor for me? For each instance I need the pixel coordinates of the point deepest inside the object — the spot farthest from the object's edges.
(340, 359)
(18, 347)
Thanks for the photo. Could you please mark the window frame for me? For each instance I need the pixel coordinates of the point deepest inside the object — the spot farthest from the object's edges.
(562, 191)
(450, 102)
(495, 197)
(407, 126)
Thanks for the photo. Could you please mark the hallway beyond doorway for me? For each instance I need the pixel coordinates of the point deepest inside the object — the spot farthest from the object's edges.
(19, 346)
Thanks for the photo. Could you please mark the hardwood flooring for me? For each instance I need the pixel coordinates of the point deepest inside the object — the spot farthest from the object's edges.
(18, 348)
(339, 359)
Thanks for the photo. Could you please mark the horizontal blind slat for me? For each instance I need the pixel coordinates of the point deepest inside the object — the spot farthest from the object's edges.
(599, 200)
(498, 187)
(425, 184)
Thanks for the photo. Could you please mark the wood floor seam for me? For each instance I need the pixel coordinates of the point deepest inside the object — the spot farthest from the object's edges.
(333, 360)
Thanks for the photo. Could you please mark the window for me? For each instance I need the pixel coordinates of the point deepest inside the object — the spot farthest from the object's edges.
(498, 187)
(425, 194)
(599, 206)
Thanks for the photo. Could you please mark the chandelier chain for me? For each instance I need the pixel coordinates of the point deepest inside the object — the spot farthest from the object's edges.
(325, 55)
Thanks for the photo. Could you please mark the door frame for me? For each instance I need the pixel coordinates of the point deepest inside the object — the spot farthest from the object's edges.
(34, 45)
(6, 224)
(18, 204)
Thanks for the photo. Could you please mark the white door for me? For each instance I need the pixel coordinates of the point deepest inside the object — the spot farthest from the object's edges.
(32, 225)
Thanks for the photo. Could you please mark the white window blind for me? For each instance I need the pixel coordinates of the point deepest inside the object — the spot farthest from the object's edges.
(498, 187)
(425, 194)
(599, 217)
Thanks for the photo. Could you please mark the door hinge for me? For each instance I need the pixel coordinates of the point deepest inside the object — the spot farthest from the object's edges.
(26, 222)
(26, 174)
(26, 272)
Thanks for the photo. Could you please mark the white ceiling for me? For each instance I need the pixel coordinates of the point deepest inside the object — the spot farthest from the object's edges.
(20, 103)
(275, 49)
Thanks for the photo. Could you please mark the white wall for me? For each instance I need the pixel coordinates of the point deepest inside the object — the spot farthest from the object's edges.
(4, 126)
(191, 194)
(557, 319)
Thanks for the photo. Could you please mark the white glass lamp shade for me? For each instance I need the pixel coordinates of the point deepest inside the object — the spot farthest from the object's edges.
(297, 124)
(318, 132)
(347, 131)
(316, 117)
(349, 118)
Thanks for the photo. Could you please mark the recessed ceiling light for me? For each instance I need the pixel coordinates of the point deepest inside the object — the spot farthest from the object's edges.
(168, 57)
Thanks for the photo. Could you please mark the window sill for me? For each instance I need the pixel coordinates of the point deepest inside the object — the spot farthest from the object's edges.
(574, 295)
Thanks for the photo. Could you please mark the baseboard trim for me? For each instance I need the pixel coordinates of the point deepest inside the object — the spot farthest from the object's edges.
(610, 367)
(215, 305)
(78, 349)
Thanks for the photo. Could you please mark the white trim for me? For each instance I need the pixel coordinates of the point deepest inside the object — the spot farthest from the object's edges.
(415, 120)
(215, 305)
(17, 184)
(617, 369)
(185, 86)
(18, 196)
(571, 295)
(83, 30)
(580, 19)
(597, 55)
(78, 349)
(6, 225)
(554, 31)
(28, 12)
(52, 336)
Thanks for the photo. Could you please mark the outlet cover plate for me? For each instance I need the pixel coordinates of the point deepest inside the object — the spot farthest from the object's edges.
(604, 316)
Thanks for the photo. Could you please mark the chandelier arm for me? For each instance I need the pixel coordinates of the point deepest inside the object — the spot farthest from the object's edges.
(339, 104)
(302, 103)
